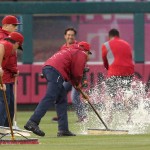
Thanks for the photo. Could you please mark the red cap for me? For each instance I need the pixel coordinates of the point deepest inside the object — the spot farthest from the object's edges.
(18, 37)
(85, 45)
(10, 20)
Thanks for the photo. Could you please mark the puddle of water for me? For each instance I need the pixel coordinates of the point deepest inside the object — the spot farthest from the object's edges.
(129, 110)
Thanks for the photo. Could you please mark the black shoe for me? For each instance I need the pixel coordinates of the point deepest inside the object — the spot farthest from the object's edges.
(32, 126)
(65, 133)
(55, 119)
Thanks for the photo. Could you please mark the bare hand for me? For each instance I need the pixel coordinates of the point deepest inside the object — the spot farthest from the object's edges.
(78, 86)
(3, 87)
(17, 74)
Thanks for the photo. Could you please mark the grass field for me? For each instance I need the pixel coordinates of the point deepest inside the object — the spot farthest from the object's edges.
(80, 142)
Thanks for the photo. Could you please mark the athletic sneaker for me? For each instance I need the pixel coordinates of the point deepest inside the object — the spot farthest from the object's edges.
(32, 126)
(65, 133)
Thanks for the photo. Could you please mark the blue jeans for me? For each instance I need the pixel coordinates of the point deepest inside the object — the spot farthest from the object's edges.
(75, 96)
(55, 93)
(10, 101)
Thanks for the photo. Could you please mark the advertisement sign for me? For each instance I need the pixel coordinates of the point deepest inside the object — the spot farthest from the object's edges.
(31, 87)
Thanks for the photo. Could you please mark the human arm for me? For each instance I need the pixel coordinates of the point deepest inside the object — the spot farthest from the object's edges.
(77, 66)
(2, 51)
(104, 57)
(1, 71)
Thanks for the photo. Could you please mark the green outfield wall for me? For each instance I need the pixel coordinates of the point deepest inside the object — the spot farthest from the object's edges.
(28, 9)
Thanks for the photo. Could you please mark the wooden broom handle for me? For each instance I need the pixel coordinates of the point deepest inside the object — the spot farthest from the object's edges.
(87, 99)
(7, 109)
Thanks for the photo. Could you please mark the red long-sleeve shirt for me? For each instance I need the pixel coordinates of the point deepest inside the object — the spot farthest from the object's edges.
(69, 63)
(11, 65)
(117, 57)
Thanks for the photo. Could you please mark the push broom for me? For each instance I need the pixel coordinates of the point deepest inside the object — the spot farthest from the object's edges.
(100, 131)
(13, 140)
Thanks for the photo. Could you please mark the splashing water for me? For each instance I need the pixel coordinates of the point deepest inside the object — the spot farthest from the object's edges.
(129, 110)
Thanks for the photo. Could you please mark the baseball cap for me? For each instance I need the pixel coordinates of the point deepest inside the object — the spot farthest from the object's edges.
(18, 37)
(10, 19)
(86, 46)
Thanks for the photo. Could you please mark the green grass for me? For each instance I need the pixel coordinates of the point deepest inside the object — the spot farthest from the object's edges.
(80, 142)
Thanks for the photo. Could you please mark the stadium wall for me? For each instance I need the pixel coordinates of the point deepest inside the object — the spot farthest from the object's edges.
(31, 87)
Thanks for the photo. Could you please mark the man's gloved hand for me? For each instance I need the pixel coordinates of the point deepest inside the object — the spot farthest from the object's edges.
(84, 83)
(84, 78)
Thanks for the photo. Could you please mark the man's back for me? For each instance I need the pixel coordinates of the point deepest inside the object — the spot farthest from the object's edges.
(119, 56)
(122, 52)
(69, 62)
